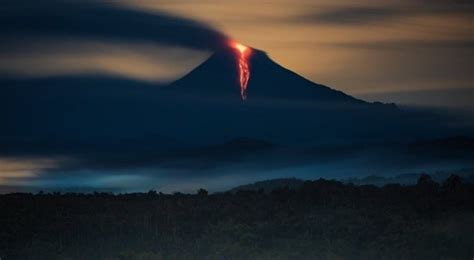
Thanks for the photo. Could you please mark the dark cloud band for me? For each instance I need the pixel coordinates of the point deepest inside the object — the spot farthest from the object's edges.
(89, 19)
(362, 15)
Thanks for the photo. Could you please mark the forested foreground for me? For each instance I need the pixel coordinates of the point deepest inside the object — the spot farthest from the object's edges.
(320, 220)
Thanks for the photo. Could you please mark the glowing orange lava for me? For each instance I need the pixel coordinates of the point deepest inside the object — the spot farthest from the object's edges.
(244, 71)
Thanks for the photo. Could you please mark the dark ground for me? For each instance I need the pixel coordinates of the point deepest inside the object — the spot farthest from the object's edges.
(320, 220)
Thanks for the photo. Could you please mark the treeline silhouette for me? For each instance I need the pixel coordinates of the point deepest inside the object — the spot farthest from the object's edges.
(320, 220)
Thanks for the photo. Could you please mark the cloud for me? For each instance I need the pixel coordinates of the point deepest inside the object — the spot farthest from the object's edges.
(406, 44)
(141, 61)
(448, 97)
(103, 21)
(352, 15)
(363, 15)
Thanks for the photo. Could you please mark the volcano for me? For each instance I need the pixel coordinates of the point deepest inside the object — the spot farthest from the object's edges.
(218, 77)
(278, 104)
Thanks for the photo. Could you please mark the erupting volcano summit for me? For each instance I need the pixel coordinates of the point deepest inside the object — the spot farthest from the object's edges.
(219, 77)
(244, 71)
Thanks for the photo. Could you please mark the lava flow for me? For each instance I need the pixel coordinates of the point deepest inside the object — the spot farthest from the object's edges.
(244, 71)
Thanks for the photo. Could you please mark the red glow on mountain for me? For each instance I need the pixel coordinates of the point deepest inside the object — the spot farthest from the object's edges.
(244, 71)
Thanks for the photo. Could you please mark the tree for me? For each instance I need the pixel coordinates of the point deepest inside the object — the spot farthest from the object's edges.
(426, 185)
(202, 192)
(454, 187)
